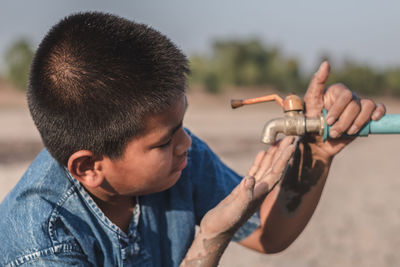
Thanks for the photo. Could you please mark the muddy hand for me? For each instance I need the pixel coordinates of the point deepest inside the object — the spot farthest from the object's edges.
(346, 110)
(220, 223)
(246, 198)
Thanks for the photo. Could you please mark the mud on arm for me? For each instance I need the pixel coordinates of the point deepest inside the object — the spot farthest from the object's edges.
(220, 223)
(290, 205)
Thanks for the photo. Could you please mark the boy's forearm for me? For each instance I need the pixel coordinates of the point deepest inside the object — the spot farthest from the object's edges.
(304, 179)
(288, 208)
(219, 224)
(206, 250)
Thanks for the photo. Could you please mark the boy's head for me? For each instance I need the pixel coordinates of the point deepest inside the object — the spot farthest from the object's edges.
(96, 78)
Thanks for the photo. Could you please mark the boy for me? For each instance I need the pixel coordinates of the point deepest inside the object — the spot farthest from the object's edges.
(122, 183)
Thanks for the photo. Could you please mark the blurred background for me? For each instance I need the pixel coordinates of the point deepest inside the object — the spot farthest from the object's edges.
(245, 49)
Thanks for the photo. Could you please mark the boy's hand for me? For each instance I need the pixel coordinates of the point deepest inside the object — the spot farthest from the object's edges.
(245, 199)
(346, 110)
(220, 223)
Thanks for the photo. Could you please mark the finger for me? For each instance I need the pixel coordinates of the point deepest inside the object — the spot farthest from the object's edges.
(273, 154)
(273, 176)
(265, 163)
(249, 182)
(343, 96)
(380, 110)
(282, 161)
(285, 142)
(256, 164)
(367, 108)
(245, 195)
(346, 119)
(314, 96)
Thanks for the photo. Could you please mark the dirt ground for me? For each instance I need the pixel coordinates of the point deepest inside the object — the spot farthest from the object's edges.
(357, 219)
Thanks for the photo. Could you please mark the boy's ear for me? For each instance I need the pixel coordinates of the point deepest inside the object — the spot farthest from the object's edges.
(86, 168)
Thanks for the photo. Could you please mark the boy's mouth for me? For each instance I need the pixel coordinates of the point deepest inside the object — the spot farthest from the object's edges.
(181, 164)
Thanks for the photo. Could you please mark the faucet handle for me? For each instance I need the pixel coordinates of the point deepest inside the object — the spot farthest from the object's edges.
(236, 103)
(291, 103)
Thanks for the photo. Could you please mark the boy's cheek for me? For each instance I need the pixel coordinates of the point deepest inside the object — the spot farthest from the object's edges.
(156, 166)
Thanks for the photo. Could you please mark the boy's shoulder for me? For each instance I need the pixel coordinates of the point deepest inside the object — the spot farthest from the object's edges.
(43, 182)
(28, 209)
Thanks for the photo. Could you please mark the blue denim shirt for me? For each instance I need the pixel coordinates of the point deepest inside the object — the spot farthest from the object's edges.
(49, 219)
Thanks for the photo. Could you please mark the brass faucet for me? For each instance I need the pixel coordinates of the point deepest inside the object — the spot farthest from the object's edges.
(293, 122)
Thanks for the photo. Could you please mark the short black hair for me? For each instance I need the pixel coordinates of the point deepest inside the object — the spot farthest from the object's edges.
(95, 78)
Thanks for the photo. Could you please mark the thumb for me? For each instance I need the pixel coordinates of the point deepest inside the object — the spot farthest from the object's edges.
(313, 98)
(246, 194)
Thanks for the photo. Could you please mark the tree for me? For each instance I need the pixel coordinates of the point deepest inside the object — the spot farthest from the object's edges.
(18, 58)
(392, 81)
(245, 63)
(359, 77)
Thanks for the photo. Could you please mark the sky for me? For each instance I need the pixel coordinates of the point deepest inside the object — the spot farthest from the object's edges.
(361, 30)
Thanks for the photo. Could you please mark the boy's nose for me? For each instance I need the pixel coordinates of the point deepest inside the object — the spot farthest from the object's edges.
(184, 142)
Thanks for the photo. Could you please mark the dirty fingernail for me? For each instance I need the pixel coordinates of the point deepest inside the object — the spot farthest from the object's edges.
(330, 120)
(333, 133)
(353, 129)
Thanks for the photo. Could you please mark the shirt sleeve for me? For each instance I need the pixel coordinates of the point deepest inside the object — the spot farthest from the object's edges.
(213, 181)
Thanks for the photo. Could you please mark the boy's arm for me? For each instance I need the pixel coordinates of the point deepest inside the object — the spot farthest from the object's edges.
(220, 223)
(288, 208)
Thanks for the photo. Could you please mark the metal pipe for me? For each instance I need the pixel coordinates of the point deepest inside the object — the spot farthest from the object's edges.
(293, 123)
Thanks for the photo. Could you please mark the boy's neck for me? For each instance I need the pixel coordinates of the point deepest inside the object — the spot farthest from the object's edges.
(118, 209)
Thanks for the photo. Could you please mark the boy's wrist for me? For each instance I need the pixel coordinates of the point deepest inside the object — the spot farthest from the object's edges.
(207, 249)
(316, 145)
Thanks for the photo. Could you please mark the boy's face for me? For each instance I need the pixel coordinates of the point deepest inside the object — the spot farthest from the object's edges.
(154, 161)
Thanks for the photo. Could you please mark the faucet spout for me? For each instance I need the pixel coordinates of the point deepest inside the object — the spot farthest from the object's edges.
(271, 129)
(292, 123)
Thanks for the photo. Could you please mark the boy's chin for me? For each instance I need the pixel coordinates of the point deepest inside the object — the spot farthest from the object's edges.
(173, 179)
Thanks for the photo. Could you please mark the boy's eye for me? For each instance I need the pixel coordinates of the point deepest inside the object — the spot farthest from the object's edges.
(165, 144)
